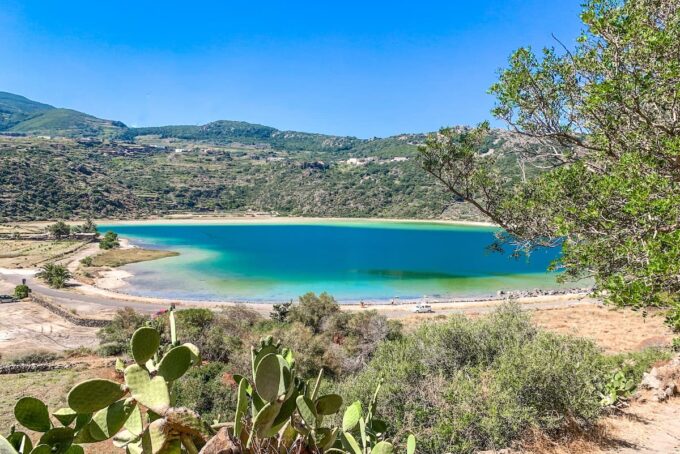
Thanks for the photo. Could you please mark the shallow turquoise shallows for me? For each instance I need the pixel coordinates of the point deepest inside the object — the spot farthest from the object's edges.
(350, 260)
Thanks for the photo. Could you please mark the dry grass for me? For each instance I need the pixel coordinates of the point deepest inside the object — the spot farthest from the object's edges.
(29, 254)
(615, 330)
(120, 257)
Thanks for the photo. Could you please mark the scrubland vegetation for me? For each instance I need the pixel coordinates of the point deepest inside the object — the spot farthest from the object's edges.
(459, 385)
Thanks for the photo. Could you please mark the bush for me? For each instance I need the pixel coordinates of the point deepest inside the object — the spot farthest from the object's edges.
(21, 291)
(206, 389)
(87, 261)
(37, 357)
(55, 275)
(115, 337)
(59, 230)
(313, 310)
(110, 241)
(465, 385)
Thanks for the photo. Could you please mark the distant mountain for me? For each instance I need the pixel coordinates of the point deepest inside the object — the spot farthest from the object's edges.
(225, 132)
(21, 115)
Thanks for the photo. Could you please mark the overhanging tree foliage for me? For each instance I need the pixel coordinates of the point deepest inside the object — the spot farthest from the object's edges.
(602, 123)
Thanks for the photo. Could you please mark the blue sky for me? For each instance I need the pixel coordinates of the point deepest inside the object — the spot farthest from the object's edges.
(341, 67)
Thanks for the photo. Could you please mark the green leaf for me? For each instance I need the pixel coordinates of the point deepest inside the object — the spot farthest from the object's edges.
(175, 363)
(152, 393)
(268, 378)
(65, 415)
(6, 447)
(16, 439)
(92, 395)
(351, 417)
(307, 411)
(59, 438)
(411, 444)
(329, 404)
(32, 414)
(145, 342)
(108, 421)
(382, 448)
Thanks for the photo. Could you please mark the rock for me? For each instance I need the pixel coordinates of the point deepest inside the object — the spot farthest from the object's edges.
(669, 391)
(650, 380)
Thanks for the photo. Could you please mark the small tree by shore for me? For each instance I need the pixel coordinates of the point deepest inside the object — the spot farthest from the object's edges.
(110, 241)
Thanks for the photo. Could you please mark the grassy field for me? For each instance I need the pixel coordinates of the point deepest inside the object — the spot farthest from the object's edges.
(120, 257)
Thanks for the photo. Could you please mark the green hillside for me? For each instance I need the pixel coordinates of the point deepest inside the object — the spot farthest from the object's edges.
(20, 115)
(14, 109)
(94, 167)
(67, 123)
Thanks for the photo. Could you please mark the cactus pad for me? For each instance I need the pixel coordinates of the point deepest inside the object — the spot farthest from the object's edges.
(264, 419)
(152, 393)
(329, 404)
(16, 439)
(175, 363)
(92, 395)
(241, 406)
(65, 415)
(382, 448)
(351, 417)
(42, 449)
(145, 342)
(156, 438)
(32, 414)
(188, 422)
(306, 409)
(108, 421)
(269, 378)
(411, 445)
(59, 438)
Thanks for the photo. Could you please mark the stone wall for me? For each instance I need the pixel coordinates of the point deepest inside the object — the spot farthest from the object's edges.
(22, 368)
(63, 313)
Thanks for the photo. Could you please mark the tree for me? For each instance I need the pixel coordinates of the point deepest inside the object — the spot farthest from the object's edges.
(89, 226)
(59, 230)
(280, 312)
(55, 275)
(600, 174)
(110, 241)
(21, 291)
(313, 310)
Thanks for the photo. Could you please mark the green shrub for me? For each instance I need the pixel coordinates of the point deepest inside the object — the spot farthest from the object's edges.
(59, 230)
(206, 390)
(115, 336)
(465, 385)
(313, 310)
(37, 357)
(21, 291)
(109, 241)
(86, 261)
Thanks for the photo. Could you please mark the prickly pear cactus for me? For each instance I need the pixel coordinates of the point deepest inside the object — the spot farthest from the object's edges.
(138, 416)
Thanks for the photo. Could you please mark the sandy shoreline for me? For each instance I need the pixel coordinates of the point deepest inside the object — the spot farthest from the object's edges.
(274, 220)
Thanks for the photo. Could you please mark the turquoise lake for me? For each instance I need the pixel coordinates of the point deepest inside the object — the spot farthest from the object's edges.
(350, 260)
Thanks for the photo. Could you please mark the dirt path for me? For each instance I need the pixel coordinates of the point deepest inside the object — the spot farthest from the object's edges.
(650, 427)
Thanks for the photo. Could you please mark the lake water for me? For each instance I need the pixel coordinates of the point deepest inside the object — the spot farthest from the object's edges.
(350, 260)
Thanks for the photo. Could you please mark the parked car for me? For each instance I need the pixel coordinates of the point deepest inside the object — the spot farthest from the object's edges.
(422, 308)
(7, 299)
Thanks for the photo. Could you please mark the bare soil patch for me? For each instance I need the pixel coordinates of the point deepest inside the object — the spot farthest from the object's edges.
(615, 330)
(27, 327)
